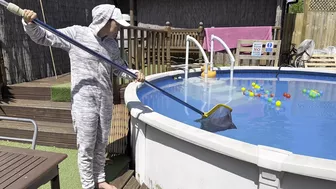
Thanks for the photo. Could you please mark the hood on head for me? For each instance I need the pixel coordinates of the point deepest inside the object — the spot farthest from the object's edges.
(101, 14)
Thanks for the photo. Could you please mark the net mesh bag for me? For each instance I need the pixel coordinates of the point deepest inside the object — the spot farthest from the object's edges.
(219, 120)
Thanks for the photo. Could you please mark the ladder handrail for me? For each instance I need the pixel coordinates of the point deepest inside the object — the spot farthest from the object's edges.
(189, 38)
(232, 59)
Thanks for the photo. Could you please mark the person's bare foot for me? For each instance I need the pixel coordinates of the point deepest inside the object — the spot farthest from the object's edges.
(105, 185)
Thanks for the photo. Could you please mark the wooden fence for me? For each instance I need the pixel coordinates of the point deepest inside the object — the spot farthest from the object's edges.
(24, 60)
(318, 22)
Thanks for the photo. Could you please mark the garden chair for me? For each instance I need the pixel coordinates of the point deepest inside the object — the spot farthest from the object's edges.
(33, 140)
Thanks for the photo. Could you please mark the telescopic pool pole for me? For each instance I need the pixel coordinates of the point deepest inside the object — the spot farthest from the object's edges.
(18, 11)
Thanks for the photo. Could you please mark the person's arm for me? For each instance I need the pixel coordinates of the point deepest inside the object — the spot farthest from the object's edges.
(116, 58)
(120, 73)
(42, 36)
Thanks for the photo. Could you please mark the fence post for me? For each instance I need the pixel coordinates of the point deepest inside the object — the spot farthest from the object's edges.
(305, 17)
(168, 41)
(200, 39)
(3, 80)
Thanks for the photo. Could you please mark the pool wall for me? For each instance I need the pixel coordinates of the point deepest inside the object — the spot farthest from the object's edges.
(169, 154)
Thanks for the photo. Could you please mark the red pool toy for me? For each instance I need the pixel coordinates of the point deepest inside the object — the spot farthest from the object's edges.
(286, 95)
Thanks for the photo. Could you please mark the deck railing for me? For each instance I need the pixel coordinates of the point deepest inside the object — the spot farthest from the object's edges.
(150, 50)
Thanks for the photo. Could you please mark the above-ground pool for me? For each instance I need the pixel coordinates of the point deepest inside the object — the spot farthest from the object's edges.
(285, 136)
(304, 123)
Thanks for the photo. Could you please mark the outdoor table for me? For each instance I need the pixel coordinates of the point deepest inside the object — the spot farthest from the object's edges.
(28, 169)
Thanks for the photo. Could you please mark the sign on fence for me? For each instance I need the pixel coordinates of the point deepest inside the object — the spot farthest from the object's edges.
(269, 46)
(256, 49)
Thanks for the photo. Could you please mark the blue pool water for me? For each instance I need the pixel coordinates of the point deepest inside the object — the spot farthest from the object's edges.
(302, 124)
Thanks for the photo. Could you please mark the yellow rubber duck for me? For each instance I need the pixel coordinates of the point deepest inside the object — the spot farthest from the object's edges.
(211, 74)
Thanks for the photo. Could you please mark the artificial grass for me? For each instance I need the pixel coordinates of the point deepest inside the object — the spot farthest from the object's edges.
(68, 169)
(61, 92)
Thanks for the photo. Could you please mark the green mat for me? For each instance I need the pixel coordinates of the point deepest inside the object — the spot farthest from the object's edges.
(61, 92)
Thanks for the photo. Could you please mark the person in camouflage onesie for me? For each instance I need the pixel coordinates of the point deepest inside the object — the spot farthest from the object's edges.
(91, 84)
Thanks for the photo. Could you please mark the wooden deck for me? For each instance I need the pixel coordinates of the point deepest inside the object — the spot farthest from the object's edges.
(31, 100)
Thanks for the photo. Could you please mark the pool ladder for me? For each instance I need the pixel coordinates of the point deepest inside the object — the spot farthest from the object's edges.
(207, 62)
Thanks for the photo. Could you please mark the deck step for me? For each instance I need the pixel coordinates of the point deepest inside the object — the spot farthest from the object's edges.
(122, 180)
(128, 181)
(28, 93)
(143, 186)
(132, 184)
(49, 133)
(38, 110)
(43, 126)
(46, 82)
(35, 90)
(116, 167)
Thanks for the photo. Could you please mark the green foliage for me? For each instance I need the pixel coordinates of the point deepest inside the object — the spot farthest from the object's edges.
(296, 8)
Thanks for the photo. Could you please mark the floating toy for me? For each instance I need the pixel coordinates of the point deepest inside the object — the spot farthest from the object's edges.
(259, 91)
(255, 86)
(286, 95)
(313, 93)
(211, 74)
